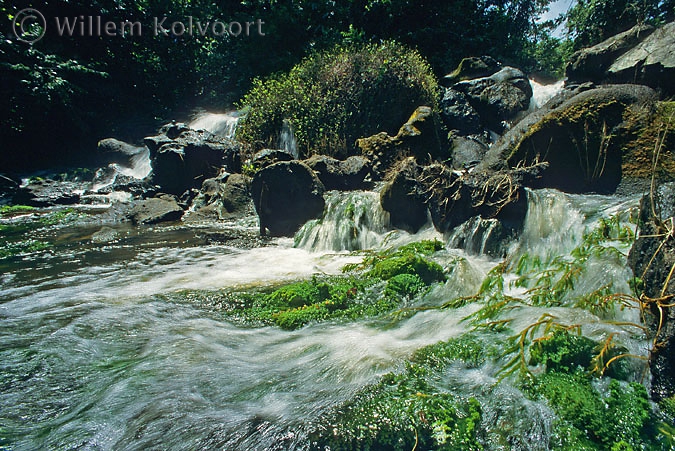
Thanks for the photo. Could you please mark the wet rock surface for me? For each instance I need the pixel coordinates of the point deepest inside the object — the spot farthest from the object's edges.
(286, 195)
(651, 258)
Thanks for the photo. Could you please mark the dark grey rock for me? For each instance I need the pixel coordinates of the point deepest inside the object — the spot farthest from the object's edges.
(45, 193)
(403, 197)
(340, 175)
(190, 157)
(286, 195)
(163, 208)
(458, 114)
(266, 157)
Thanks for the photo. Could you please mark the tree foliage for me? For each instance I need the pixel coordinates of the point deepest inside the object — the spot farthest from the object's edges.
(592, 21)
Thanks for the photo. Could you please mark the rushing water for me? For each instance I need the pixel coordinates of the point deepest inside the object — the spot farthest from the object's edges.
(101, 347)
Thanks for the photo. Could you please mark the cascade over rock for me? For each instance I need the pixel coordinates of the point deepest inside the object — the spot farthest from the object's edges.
(286, 195)
(183, 158)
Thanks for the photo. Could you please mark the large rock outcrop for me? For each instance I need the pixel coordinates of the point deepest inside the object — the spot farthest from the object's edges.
(581, 138)
(286, 195)
(641, 55)
(183, 158)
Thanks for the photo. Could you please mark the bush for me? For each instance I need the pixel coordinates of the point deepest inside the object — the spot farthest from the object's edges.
(332, 98)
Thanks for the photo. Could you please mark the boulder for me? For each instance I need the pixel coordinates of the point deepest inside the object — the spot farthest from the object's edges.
(651, 62)
(652, 258)
(581, 138)
(266, 157)
(343, 175)
(467, 151)
(591, 64)
(499, 98)
(163, 208)
(473, 67)
(183, 158)
(458, 114)
(116, 151)
(286, 195)
(403, 197)
(222, 198)
(46, 192)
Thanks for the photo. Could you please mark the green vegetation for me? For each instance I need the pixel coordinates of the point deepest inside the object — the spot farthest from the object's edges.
(332, 98)
(362, 293)
(406, 410)
(8, 210)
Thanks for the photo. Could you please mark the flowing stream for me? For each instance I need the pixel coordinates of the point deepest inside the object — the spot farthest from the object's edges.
(102, 346)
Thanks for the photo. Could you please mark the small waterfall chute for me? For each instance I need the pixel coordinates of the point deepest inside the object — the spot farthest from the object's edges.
(138, 167)
(221, 124)
(543, 93)
(352, 220)
(287, 140)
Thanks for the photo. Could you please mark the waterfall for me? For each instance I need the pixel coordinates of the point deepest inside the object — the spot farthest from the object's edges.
(139, 167)
(352, 220)
(477, 236)
(543, 93)
(287, 139)
(221, 124)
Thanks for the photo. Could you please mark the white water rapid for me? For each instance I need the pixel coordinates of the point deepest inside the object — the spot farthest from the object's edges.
(125, 344)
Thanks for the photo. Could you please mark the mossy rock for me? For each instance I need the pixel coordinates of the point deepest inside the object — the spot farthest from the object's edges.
(651, 130)
(583, 139)
(472, 67)
(427, 270)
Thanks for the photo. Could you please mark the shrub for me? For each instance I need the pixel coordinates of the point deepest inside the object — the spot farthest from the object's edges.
(334, 97)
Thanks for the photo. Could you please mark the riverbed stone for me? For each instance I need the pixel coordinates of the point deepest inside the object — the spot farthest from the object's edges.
(163, 208)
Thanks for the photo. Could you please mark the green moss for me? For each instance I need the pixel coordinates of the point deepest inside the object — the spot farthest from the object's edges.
(332, 98)
(468, 349)
(563, 351)
(23, 247)
(404, 285)
(589, 420)
(7, 210)
(402, 412)
(427, 270)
